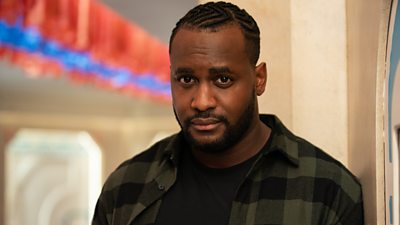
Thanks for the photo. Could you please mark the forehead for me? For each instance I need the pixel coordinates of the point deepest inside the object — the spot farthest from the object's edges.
(225, 42)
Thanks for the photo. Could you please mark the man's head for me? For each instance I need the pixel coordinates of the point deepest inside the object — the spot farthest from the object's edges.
(214, 79)
(214, 15)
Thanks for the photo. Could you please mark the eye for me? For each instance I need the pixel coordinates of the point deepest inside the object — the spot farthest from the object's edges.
(185, 80)
(224, 81)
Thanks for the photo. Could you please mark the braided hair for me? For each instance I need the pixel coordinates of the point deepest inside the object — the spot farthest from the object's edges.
(213, 15)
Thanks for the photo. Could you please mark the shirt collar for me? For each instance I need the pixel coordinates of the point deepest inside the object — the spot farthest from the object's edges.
(281, 139)
(175, 147)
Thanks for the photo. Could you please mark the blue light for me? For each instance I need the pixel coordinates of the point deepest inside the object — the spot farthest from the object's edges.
(30, 40)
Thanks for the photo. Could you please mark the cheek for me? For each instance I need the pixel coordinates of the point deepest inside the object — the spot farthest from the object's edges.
(237, 102)
(180, 103)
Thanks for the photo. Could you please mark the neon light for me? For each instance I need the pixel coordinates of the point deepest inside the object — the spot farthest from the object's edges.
(30, 40)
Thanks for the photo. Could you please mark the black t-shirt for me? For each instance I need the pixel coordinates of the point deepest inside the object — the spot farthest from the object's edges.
(201, 195)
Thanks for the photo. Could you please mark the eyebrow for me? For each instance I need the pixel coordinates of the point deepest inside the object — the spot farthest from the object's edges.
(213, 71)
(219, 70)
(184, 71)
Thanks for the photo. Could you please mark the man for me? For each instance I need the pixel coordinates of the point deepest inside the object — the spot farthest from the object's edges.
(228, 164)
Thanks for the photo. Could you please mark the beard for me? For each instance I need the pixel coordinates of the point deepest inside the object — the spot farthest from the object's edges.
(232, 135)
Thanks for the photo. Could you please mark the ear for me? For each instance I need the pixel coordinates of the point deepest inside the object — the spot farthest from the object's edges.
(261, 78)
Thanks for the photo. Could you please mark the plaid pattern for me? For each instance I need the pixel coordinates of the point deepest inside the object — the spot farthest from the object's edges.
(292, 183)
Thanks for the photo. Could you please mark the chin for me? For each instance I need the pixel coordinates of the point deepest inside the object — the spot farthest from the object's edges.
(210, 148)
(209, 144)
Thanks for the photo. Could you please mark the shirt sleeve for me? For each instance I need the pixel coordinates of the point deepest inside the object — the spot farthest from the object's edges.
(100, 213)
(348, 207)
(353, 215)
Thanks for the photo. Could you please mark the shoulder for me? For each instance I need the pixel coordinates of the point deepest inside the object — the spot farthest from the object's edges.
(142, 167)
(328, 174)
(324, 165)
(334, 186)
(308, 173)
(125, 185)
(310, 160)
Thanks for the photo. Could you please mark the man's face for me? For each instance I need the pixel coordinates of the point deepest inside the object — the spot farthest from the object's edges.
(214, 87)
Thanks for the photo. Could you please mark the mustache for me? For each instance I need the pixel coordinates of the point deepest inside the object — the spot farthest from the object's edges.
(204, 115)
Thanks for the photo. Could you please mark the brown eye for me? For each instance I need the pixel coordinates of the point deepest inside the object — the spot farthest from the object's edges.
(186, 80)
(224, 81)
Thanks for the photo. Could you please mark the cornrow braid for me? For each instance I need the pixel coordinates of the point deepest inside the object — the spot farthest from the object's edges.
(213, 15)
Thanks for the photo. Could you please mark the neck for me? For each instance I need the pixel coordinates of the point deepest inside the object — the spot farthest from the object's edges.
(246, 148)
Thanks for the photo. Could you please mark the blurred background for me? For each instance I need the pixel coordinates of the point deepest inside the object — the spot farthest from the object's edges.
(84, 85)
(62, 133)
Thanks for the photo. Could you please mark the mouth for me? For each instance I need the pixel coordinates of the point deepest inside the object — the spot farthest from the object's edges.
(205, 124)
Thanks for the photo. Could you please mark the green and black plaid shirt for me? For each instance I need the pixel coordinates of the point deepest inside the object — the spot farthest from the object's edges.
(292, 183)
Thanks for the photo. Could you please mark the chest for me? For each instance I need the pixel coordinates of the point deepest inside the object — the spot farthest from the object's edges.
(268, 196)
(201, 195)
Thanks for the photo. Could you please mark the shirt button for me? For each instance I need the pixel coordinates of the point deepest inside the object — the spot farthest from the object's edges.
(161, 187)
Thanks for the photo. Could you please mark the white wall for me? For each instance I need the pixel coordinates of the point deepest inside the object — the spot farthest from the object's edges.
(304, 45)
(319, 74)
(326, 67)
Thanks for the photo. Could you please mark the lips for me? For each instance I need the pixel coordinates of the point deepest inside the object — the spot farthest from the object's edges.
(205, 124)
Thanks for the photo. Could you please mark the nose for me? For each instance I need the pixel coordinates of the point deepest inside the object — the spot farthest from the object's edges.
(203, 99)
